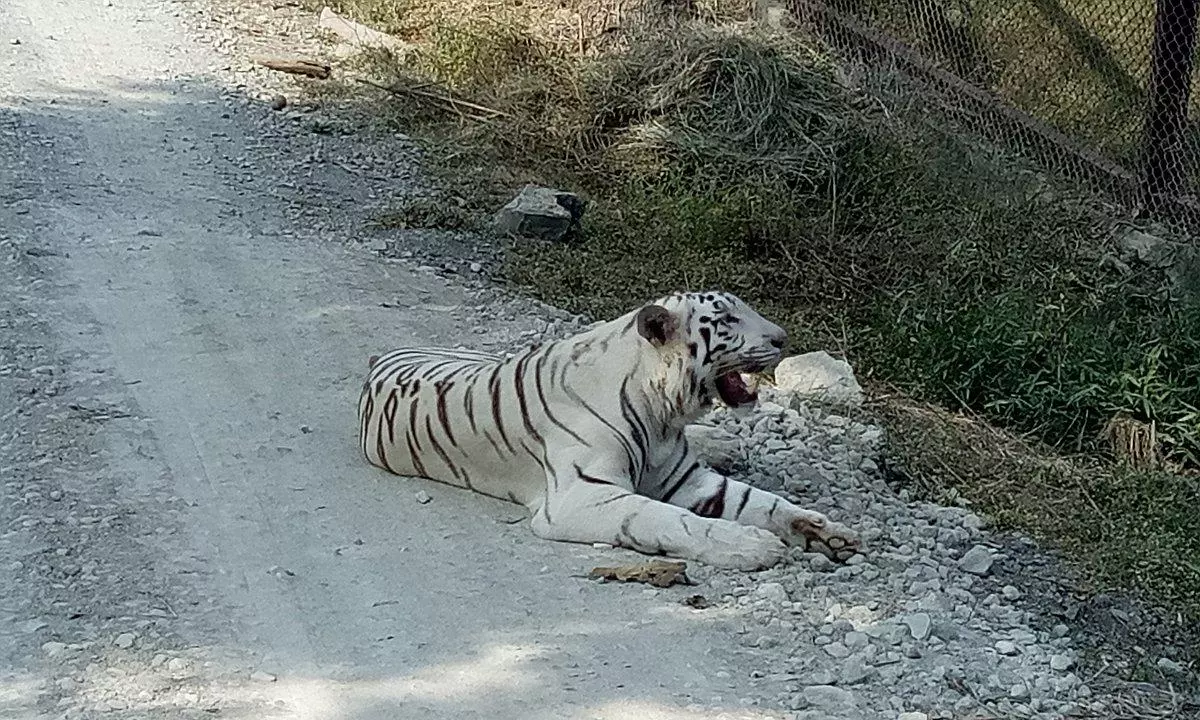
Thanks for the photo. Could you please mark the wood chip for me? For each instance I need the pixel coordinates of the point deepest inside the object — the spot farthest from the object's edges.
(659, 573)
(296, 66)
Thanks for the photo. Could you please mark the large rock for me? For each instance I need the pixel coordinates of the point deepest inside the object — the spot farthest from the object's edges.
(540, 212)
(1139, 246)
(829, 698)
(1179, 261)
(977, 561)
(718, 447)
(821, 377)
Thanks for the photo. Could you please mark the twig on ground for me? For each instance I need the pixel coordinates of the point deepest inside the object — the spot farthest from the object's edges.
(296, 66)
(447, 101)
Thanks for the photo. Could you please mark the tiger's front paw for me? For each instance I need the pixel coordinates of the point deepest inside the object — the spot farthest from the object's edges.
(740, 547)
(820, 534)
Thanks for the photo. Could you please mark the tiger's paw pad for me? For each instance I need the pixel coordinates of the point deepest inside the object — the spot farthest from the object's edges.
(822, 535)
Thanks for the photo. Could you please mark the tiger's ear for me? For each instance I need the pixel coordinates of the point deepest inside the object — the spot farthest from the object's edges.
(657, 324)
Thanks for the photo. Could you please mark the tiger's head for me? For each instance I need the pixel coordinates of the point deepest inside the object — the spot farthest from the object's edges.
(716, 337)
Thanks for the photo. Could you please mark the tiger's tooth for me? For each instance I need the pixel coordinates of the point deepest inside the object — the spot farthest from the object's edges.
(752, 382)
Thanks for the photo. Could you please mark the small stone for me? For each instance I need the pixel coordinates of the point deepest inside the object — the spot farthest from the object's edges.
(158, 660)
(279, 102)
(1060, 630)
(15, 41)
(772, 592)
(54, 649)
(855, 671)
(1167, 665)
(177, 665)
(1061, 663)
(422, 497)
(971, 521)
(260, 676)
(837, 650)
(1010, 593)
(1019, 691)
(818, 562)
(820, 677)
(125, 640)
(912, 716)
(475, 267)
(919, 625)
(977, 561)
(1006, 647)
(828, 697)
(32, 626)
(67, 684)
(855, 639)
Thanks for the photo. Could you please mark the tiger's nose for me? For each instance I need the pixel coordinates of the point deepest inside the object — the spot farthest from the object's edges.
(778, 340)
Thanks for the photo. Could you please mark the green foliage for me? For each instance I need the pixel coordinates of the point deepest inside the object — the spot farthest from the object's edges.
(1044, 344)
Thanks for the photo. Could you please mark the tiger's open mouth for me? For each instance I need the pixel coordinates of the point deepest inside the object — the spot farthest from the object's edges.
(734, 391)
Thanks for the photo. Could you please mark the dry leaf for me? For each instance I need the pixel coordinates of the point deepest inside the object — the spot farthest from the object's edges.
(658, 573)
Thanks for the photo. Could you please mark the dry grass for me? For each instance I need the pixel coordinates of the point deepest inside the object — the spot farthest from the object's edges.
(1134, 442)
(1127, 525)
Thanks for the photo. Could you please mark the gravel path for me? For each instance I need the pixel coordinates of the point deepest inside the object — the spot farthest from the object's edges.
(186, 530)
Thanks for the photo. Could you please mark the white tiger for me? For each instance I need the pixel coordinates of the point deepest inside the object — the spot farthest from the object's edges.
(588, 432)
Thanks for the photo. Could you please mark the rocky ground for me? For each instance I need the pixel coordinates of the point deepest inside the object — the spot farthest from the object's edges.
(195, 541)
(942, 617)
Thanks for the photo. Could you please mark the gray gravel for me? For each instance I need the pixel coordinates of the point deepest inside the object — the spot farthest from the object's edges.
(908, 626)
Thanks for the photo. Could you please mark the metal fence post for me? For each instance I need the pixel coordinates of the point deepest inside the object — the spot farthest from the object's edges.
(1166, 114)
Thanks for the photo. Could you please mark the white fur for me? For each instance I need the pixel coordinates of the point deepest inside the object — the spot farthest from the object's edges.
(600, 454)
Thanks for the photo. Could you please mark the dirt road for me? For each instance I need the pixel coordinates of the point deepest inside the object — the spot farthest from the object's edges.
(187, 528)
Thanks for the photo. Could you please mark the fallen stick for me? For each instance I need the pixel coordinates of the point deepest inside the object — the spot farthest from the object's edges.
(453, 103)
(296, 66)
(359, 34)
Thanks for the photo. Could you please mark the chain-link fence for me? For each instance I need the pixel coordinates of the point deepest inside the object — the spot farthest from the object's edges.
(1094, 89)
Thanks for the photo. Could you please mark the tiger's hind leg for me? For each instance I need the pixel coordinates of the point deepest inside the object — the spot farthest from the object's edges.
(707, 493)
(597, 510)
